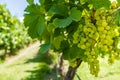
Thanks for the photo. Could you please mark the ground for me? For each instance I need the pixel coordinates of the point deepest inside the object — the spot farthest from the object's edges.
(27, 66)
(15, 68)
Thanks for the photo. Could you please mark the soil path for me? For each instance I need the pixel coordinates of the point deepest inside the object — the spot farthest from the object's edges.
(33, 48)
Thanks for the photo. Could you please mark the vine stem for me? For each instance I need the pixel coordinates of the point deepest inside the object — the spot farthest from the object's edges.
(78, 76)
(72, 71)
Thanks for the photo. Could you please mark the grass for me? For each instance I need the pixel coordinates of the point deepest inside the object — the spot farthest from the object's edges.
(107, 71)
(15, 72)
(31, 67)
(17, 69)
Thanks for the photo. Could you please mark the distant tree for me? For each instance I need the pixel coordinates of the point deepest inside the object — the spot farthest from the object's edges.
(13, 34)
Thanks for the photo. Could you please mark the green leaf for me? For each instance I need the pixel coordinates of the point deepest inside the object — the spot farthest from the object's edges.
(65, 44)
(44, 47)
(36, 24)
(100, 3)
(40, 25)
(34, 9)
(41, 2)
(73, 53)
(59, 9)
(51, 27)
(118, 1)
(35, 20)
(45, 36)
(62, 23)
(57, 42)
(57, 32)
(30, 1)
(60, 1)
(66, 55)
(75, 14)
(46, 6)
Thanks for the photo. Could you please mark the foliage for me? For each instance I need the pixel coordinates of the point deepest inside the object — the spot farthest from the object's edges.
(80, 29)
(32, 67)
(45, 67)
(13, 34)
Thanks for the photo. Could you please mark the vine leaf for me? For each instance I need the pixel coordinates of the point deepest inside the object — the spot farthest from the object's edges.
(41, 2)
(36, 24)
(75, 14)
(62, 23)
(35, 20)
(30, 1)
(101, 3)
(60, 9)
(33, 9)
(73, 53)
(45, 47)
(118, 1)
(51, 27)
(57, 41)
(60, 1)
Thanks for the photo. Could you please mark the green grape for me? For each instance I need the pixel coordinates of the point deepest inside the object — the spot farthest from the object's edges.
(113, 5)
(105, 48)
(98, 35)
(83, 40)
(107, 27)
(100, 28)
(83, 46)
(116, 32)
(104, 23)
(87, 52)
(102, 36)
(111, 59)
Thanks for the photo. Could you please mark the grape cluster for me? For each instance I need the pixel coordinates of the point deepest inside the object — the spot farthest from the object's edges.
(92, 61)
(105, 31)
(86, 37)
(98, 35)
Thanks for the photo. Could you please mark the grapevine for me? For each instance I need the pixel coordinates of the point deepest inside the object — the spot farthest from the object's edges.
(82, 30)
(98, 32)
(13, 34)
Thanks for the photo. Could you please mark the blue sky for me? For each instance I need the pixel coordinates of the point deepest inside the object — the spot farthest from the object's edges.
(16, 7)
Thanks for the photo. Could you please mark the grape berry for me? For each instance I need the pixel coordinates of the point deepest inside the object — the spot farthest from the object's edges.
(99, 34)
